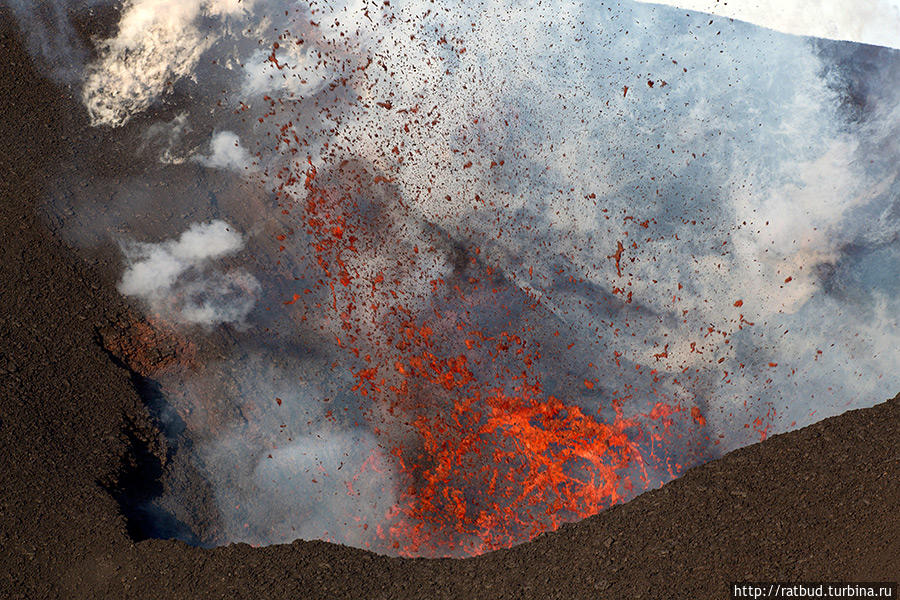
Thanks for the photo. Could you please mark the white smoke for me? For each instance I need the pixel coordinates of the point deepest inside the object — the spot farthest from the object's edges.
(748, 181)
(48, 29)
(328, 484)
(226, 152)
(286, 468)
(175, 280)
(158, 43)
(752, 182)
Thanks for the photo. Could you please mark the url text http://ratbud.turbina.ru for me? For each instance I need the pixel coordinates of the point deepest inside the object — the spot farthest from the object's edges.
(818, 589)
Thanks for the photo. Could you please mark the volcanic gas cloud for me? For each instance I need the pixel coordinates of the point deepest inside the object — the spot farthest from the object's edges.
(452, 275)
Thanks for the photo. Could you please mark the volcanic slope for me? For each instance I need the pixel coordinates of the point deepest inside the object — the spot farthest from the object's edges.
(818, 503)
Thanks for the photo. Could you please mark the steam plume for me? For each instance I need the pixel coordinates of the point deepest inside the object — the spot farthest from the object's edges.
(174, 280)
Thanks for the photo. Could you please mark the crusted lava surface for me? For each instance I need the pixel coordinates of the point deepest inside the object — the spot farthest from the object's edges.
(80, 450)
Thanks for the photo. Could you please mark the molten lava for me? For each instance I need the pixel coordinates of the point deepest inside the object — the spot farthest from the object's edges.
(487, 458)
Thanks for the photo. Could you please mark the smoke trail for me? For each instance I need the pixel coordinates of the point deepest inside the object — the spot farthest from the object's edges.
(654, 209)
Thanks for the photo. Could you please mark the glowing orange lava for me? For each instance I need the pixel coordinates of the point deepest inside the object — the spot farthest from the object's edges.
(487, 458)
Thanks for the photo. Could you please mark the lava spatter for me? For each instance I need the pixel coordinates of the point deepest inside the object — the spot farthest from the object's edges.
(452, 382)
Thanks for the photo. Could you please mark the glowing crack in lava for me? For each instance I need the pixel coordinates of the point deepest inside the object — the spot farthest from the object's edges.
(453, 274)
